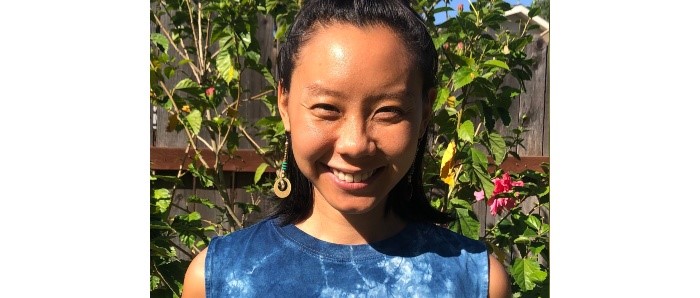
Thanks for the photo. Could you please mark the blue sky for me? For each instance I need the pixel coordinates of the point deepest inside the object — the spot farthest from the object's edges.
(441, 17)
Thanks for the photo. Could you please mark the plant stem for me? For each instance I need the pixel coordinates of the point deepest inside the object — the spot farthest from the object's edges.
(174, 45)
(187, 132)
(162, 278)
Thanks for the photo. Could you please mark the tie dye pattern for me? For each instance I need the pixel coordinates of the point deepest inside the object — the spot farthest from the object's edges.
(423, 260)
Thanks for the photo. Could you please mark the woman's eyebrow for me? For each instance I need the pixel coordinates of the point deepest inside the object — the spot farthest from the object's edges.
(316, 89)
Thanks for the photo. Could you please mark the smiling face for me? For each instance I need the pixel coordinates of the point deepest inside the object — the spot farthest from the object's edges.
(355, 113)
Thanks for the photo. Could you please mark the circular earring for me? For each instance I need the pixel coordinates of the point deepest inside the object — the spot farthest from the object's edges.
(282, 185)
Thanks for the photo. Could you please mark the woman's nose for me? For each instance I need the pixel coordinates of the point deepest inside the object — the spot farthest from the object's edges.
(354, 140)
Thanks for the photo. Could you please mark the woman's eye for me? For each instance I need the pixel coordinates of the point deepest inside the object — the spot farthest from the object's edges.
(392, 114)
(325, 110)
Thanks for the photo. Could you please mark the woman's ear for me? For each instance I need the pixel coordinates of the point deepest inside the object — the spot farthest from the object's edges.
(283, 105)
(427, 110)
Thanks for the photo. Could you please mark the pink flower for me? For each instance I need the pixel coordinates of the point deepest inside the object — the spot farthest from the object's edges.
(479, 195)
(460, 7)
(496, 205)
(209, 92)
(500, 185)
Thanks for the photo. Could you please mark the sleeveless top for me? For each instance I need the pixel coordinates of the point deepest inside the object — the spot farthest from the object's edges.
(268, 260)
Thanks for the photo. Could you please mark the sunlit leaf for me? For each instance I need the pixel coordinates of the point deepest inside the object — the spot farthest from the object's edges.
(224, 66)
(533, 222)
(186, 84)
(497, 63)
(161, 193)
(446, 171)
(462, 77)
(194, 120)
(160, 40)
(465, 224)
(203, 201)
(527, 273)
(498, 147)
(259, 171)
(466, 131)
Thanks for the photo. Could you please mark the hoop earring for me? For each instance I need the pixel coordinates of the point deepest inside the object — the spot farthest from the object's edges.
(282, 186)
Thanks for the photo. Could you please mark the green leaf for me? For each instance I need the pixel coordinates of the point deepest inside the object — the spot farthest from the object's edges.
(161, 193)
(441, 9)
(442, 95)
(186, 84)
(204, 178)
(460, 203)
(537, 249)
(466, 131)
(194, 119)
(466, 224)
(522, 240)
(159, 225)
(441, 39)
(497, 63)
(527, 273)
(162, 206)
(247, 208)
(480, 165)
(225, 66)
(534, 11)
(259, 171)
(462, 77)
(194, 216)
(203, 201)
(533, 222)
(497, 146)
(161, 40)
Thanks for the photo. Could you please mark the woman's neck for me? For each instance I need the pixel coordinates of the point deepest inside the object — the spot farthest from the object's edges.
(332, 226)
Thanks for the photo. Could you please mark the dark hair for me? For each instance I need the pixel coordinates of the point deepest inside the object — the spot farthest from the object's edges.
(406, 199)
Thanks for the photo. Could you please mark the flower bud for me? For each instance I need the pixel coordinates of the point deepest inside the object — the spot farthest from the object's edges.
(460, 7)
(209, 92)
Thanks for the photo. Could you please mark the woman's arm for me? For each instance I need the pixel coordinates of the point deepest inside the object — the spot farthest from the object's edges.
(193, 286)
(499, 283)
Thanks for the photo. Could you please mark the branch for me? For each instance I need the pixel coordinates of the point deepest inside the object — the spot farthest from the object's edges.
(257, 147)
(174, 45)
(162, 278)
(187, 132)
(189, 254)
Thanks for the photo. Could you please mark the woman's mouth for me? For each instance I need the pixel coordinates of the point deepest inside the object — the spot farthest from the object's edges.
(352, 177)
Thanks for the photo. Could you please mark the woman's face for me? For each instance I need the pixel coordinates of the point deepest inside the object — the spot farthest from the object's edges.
(355, 113)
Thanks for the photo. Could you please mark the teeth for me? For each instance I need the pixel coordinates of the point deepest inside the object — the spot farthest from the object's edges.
(359, 177)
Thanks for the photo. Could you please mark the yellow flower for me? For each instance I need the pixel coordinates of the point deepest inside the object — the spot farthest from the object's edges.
(447, 173)
(186, 108)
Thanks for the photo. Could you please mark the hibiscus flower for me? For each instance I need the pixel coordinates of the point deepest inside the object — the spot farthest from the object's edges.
(500, 185)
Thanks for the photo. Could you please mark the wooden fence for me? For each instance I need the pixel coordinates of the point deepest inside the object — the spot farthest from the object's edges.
(167, 148)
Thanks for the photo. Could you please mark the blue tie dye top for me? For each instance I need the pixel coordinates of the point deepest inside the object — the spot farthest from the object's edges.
(268, 260)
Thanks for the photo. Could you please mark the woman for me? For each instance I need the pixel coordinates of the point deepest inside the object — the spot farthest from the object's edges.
(357, 83)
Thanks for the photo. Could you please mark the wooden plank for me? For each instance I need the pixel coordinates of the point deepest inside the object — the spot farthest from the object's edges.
(545, 134)
(512, 165)
(173, 158)
(249, 160)
(513, 111)
(532, 102)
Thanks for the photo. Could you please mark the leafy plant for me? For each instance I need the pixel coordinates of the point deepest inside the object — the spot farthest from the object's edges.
(476, 56)
(199, 53)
